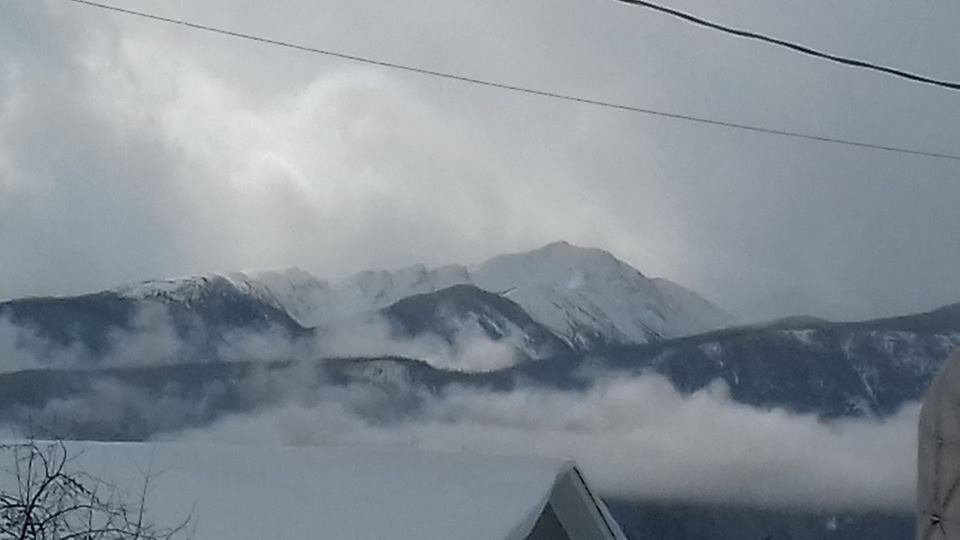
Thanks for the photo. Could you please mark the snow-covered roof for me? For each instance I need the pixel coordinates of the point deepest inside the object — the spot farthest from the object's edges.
(257, 492)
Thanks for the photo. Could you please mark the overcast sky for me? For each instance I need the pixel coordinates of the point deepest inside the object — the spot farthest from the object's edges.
(130, 149)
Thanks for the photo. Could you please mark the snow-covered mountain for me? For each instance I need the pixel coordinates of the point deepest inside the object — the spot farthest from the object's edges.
(536, 303)
(586, 296)
(465, 314)
(555, 299)
(589, 297)
(280, 290)
(314, 302)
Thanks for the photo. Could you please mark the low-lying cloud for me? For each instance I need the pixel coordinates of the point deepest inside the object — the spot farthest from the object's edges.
(635, 438)
(23, 348)
(152, 338)
(469, 351)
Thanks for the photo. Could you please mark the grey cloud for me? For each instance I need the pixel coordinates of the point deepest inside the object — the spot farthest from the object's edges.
(152, 338)
(131, 150)
(374, 337)
(635, 437)
(22, 348)
(112, 408)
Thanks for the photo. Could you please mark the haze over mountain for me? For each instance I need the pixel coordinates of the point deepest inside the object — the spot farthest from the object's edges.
(490, 354)
(536, 304)
(133, 149)
(561, 304)
(584, 295)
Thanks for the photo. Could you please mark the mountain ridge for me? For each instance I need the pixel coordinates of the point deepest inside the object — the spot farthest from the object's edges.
(586, 296)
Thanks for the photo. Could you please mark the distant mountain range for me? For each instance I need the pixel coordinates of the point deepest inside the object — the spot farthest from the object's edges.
(552, 307)
(555, 299)
(206, 346)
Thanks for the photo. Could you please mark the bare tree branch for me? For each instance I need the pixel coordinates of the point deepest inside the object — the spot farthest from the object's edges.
(51, 502)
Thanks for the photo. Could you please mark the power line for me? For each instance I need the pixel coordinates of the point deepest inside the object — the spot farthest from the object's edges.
(794, 46)
(525, 90)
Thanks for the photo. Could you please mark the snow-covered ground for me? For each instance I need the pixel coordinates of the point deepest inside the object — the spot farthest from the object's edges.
(257, 492)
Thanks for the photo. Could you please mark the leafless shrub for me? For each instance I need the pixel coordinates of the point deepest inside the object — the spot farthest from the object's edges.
(43, 498)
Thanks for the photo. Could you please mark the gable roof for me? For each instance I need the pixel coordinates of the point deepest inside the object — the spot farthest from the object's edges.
(256, 492)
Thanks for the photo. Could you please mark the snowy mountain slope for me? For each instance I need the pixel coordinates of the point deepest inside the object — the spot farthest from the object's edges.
(550, 299)
(193, 288)
(586, 296)
(590, 297)
(299, 292)
(807, 365)
(832, 370)
(688, 304)
(309, 300)
(229, 299)
(161, 321)
(373, 290)
(465, 313)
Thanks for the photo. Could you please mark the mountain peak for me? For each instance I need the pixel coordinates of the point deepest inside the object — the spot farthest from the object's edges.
(558, 263)
(182, 288)
(590, 297)
(562, 248)
(584, 295)
(559, 244)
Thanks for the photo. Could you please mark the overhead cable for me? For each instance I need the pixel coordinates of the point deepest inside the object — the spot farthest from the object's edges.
(794, 46)
(526, 90)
